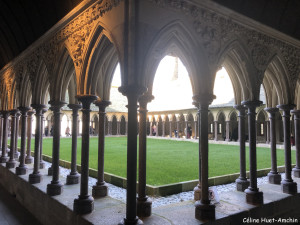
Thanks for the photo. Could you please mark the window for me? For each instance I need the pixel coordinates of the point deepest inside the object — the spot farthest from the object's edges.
(261, 128)
(220, 129)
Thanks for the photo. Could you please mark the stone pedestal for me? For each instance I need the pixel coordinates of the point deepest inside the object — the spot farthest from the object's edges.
(21, 170)
(100, 190)
(83, 205)
(35, 178)
(254, 197)
(144, 207)
(274, 178)
(204, 211)
(197, 193)
(73, 178)
(289, 187)
(296, 172)
(54, 188)
(242, 184)
(136, 221)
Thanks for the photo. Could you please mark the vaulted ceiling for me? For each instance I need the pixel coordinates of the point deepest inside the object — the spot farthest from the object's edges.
(24, 21)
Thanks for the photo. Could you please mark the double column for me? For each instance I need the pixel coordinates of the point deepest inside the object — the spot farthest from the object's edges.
(273, 175)
(55, 187)
(73, 177)
(16, 152)
(296, 170)
(144, 206)
(287, 185)
(42, 163)
(132, 93)
(242, 183)
(4, 158)
(85, 203)
(203, 208)
(101, 189)
(253, 195)
(29, 159)
(22, 168)
(11, 163)
(35, 176)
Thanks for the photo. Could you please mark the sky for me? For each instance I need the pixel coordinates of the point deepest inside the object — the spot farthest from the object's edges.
(173, 94)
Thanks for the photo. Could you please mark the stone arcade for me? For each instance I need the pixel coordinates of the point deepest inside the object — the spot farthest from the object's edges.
(78, 55)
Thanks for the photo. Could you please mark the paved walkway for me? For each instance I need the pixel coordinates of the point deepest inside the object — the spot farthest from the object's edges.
(12, 212)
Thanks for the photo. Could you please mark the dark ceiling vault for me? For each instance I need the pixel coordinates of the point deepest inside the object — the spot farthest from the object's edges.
(24, 21)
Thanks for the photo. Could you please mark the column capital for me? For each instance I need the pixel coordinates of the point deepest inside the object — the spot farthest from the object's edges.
(13, 112)
(74, 106)
(271, 110)
(102, 104)
(252, 103)
(145, 99)
(56, 105)
(296, 113)
(201, 99)
(5, 113)
(30, 113)
(240, 107)
(132, 90)
(24, 109)
(86, 100)
(38, 107)
(286, 107)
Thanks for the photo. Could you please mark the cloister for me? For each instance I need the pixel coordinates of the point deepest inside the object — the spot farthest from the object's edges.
(78, 56)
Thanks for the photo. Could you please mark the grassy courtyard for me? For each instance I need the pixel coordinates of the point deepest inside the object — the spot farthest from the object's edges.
(168, 161)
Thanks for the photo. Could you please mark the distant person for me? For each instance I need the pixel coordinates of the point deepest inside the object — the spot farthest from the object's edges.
(154, 130)
(46, 131)
(68, 132)
(292, 140)
(51, 131)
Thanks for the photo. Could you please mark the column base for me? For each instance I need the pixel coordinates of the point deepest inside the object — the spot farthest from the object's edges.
(21, 170)
(4, 159)
(16, 155)
(11, 164)
(42, 165)
(144, 207)
(50, 171)
(54, 188)
(197, 193)
(242, 184)
(274, 178)
(73, 178)
(254, 197)
(130, 222)
(289, 187)
(228, 140)
(204, 211)
(296, 172)
(83, 205)
(100, 191)
(28, 160)
(35, 178)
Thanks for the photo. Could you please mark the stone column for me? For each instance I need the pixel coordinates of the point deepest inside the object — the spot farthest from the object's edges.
(287, 185)
(132, 94)
(227, 131)
(296, 170)
(11, 163)
(73, 177)
(101, 188)
(216, 130)
(22, 168)
(242, 183)
(109, 132)
(35, 176)
(118, 127)
(126, 130)
(4, 158)
(16, 153)
(151, 129)
(1, 130)
(163, 128)
(42, 163)
(85, 203)
(29, 159)
(186, 129)
(253, 195)
(177, 124)
(157, 128)
(273, 175)
(170, 128)
(203, 208)
(144, 205)
(55, 187)
(196, 134)
(268, 138)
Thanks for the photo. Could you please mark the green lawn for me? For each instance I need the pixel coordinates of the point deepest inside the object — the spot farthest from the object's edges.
(167, 161)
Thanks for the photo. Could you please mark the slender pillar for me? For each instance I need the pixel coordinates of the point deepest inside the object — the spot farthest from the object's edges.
(253, 195)
(203, 208)
(29, 159)
(4, 158)
(11, 163)
(109, 132)
(151, 129)
(35, 176)
(85, 203)
(42, 163)
(242, 182)
(178, 128)
(73, 177)
(101, 189)
(22, 168)
(216, 130)
(186, 129)
(196, 134)
(1, 130)
(157, 127)
(144, 205)
(170, 128)
(296, 170)
(163, 128)
(16, 152)
(287, 185)
(126, 130)
(273, 175)
(227, 131)
(55, 187)
(132, 94)
(268, 135)
(118, 127)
